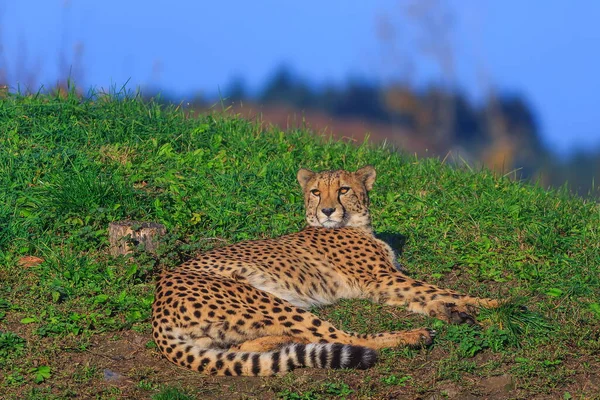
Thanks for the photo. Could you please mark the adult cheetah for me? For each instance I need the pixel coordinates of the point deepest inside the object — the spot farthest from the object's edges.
(241, 309)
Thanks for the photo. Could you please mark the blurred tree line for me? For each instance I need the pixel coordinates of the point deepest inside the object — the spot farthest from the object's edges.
(501, 132)
(446, 119)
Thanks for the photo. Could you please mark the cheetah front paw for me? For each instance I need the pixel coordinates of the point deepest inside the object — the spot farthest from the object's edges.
(455, 314)
(420, 337)
(461, 317)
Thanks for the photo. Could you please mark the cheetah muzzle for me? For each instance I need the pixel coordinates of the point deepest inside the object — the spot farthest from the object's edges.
(241, 309)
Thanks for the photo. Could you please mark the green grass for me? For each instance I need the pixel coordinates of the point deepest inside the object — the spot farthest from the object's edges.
(172, 393)
(69, 167)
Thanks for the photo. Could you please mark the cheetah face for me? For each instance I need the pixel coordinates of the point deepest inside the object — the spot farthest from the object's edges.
(335, 199)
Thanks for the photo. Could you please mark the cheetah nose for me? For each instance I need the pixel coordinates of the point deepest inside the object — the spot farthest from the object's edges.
(328, 211)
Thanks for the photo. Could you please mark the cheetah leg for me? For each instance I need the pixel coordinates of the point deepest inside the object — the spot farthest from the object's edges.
(412, 338)
(267, 343)
(453, 311)
(396, 289)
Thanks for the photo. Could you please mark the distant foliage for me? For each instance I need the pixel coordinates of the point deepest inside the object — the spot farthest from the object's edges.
(503, 132)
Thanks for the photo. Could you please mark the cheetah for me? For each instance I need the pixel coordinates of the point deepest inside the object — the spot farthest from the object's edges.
(242, 309)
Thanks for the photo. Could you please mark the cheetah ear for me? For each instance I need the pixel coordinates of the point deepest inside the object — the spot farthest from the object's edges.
(367, 176)
(304, 175)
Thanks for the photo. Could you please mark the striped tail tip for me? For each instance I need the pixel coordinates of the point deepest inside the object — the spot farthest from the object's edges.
(336, 356)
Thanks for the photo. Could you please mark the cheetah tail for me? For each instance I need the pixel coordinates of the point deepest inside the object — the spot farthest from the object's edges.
(289, 357)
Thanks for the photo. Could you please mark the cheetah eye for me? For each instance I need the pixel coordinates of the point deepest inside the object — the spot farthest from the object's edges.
(316, 192)
(344, 190)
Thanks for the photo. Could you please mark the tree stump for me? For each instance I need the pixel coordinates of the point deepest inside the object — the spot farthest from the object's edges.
(124, 235)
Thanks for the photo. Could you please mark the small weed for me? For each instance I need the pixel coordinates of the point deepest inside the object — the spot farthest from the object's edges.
(111, 393)
(395, 380)
(41, 373)
(11, 346)
(15, 378)
(468, 339)
(327, 390)
(147, 385)
(338, 389)
(172, 393)
(4, 306)
(498, 339)
(287, 394)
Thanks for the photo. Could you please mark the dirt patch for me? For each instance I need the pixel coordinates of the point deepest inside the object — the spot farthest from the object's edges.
(497, 386)
(126, 365)
(124, 360)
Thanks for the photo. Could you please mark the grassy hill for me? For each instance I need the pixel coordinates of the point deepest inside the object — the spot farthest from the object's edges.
(74, 322)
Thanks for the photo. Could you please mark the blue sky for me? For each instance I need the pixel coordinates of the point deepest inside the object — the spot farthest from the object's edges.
(546, 50)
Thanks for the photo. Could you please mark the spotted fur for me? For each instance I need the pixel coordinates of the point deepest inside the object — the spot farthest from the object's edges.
(241, 309)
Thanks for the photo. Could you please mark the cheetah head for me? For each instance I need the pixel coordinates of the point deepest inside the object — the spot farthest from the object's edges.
(335, 199)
